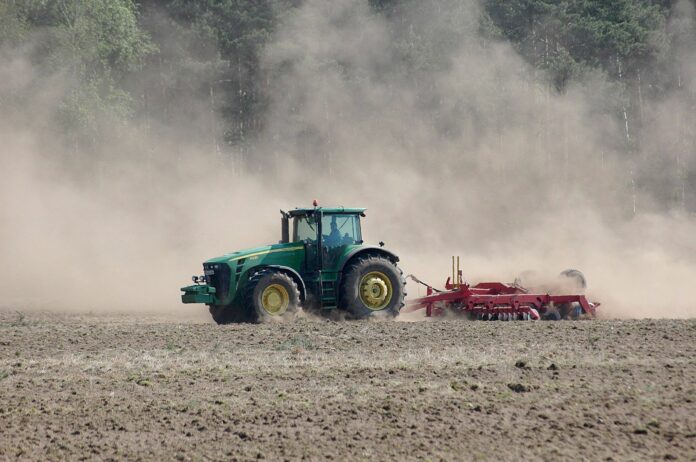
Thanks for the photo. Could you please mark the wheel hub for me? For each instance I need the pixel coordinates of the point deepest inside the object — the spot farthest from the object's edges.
(275, 299)
(375, 290)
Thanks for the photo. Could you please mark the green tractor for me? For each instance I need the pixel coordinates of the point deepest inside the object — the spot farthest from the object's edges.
(323, 266)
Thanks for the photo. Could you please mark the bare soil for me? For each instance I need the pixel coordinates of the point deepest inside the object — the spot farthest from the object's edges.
(156, 388)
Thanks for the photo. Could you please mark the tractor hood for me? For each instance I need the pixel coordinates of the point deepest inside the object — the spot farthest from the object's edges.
(255, 251)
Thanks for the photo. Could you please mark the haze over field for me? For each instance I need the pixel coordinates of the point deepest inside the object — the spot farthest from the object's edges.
(456, 142)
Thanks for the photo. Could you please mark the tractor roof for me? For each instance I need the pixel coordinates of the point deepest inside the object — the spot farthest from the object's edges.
(310, 210)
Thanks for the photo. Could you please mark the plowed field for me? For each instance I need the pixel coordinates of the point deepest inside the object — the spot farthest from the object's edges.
(142, 387)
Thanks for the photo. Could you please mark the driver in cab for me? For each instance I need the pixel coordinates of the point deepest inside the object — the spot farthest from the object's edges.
(334, 238)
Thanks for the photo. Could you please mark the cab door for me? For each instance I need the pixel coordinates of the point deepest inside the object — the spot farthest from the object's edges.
(306, 231)
(339, 231)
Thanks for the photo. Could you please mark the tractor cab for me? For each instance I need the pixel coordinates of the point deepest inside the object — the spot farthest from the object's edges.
(333, 230)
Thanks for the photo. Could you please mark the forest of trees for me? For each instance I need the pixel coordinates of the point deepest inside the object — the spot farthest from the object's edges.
(161, 62)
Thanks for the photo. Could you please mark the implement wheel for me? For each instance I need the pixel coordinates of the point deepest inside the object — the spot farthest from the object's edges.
(372, 285)
(578, 284)
(576, 278)
(271, 295)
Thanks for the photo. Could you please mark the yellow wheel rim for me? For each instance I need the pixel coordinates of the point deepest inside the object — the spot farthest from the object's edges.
(275, 299)
(376, 290)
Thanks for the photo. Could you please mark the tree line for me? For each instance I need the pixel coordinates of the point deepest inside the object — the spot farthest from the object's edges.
(161, 62)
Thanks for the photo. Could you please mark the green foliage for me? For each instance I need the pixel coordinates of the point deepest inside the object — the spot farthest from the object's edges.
(115, 62)
(211, 49)
(13, 26)
(565, 37)
(213, 46)
(89, 47)
(99, 36)
(99, 41)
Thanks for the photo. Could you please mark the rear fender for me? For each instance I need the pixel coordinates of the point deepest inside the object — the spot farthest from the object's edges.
(367, 250)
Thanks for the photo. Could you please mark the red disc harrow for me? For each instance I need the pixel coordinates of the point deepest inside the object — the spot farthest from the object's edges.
(500, 301)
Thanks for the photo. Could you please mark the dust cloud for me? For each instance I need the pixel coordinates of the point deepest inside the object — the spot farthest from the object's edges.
(478, 159)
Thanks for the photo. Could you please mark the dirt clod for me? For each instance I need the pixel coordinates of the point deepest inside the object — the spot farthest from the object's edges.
(518, 387)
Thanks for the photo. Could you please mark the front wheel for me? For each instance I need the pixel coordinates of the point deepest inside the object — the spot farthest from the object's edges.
(372, 285)
(228, 314)
(272, 295)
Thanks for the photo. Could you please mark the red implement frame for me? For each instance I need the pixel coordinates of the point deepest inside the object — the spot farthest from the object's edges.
(496, 300)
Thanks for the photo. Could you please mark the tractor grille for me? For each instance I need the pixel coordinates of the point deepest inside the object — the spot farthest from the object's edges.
(218, 276)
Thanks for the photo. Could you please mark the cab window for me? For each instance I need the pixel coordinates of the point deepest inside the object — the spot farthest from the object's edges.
(340, 230)
(304, 230)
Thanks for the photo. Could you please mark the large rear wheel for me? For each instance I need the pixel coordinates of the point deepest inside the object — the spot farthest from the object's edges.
(271, 295)
(372, 286)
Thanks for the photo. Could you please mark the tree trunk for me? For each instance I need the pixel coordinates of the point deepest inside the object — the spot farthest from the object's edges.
(632, 175)
(213, 125)
(623, 103)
